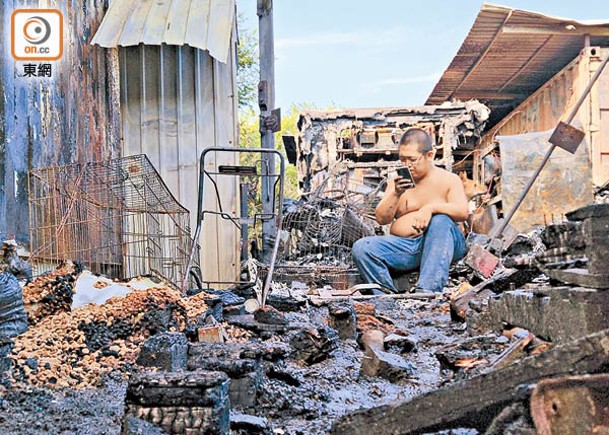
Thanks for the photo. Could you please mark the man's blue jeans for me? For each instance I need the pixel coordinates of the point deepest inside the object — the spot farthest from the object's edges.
(434, 251)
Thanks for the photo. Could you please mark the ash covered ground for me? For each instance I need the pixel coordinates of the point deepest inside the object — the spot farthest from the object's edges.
(295, 395)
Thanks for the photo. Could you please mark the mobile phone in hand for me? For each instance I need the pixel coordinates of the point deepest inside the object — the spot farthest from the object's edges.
(404, 172)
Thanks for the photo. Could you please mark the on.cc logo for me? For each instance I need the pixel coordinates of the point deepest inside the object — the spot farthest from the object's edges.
(37, 30)
(37, 34)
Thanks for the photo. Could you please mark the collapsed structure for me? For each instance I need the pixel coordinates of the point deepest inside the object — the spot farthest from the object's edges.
(343, 158)
(365, 141)
(530, 69)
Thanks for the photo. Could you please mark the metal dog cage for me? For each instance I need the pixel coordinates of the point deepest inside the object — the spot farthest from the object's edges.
(117, 217)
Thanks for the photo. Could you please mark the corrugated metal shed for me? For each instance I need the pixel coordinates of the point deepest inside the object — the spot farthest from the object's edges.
(177, 101)
(203, 24)
(509, 53)
(178, 97)
(553, 102)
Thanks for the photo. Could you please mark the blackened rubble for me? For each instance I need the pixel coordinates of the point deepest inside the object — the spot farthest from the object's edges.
(551, 328)
(300, 367)
(300, 377)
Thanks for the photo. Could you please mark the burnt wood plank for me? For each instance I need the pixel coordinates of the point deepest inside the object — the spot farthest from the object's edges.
(474, 402)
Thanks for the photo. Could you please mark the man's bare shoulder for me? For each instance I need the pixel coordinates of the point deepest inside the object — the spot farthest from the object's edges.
(446, 176)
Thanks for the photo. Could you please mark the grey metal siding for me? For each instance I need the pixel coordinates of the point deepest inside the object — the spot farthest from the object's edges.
(178, 101)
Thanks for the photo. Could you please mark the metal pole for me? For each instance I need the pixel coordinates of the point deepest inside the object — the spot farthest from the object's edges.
(266, 102)
(546, 157)
(244, 189)
(269, 278)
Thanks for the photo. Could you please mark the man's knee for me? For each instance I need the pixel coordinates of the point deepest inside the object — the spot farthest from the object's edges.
(358, 250)
(441, 221)
(363, 247)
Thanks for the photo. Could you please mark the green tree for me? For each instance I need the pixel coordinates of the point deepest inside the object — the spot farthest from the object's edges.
(248, 75)
(248, 65)
(249, 137)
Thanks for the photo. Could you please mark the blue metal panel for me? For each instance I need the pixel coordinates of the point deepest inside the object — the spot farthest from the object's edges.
(71, 117)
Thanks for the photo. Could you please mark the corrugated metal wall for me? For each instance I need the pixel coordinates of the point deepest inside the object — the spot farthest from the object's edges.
(72, 117)
(176, 102)
(553, 102)
(542, 111)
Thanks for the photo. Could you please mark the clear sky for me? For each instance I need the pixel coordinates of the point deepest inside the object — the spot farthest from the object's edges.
(355, 53)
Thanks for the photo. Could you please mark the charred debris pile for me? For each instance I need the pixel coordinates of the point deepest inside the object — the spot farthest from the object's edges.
(530, 333)
(319, 351)
(547, 300)
(75, 347)
(202, 362)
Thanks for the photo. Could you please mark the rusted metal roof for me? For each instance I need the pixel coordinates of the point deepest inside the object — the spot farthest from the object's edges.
(204, 24)
(509, 53)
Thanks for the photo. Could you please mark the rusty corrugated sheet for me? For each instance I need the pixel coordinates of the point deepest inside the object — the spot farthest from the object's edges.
(544, 108)
(553, 101)
(203, 24)
(72, 117)
(509, 53)
(564, 184)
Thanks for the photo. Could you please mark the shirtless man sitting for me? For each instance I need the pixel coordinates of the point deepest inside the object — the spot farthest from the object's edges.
(423, 230)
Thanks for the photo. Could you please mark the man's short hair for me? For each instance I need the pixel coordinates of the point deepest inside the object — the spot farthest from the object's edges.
(418, 137)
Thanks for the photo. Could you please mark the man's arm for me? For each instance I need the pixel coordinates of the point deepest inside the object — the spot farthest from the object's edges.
(456, 206)
(387, 207)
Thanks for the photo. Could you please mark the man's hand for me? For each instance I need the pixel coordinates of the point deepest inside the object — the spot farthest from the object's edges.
(387, 207)
(400, 184)
(420, 219)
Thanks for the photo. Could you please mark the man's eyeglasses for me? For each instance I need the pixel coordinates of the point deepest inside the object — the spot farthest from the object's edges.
(410, 160)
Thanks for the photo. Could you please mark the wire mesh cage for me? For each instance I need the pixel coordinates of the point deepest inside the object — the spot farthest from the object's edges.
(319, 230)
(117, 217)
